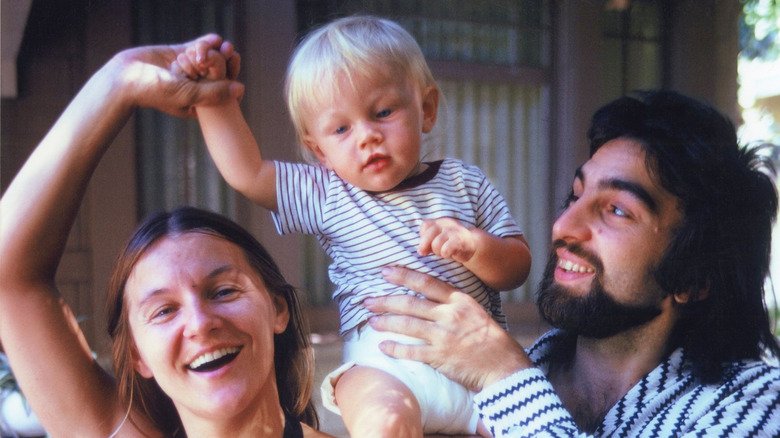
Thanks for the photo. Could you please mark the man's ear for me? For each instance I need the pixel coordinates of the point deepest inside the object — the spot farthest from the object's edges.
(140, 365)
(430, 108)
(692, 295)
(311, 144)
(282, 314)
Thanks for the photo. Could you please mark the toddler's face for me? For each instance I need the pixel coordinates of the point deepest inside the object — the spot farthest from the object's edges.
(370, 131)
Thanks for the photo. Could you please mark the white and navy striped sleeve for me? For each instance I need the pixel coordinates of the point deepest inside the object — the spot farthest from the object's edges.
(301, 190)
(492, 211)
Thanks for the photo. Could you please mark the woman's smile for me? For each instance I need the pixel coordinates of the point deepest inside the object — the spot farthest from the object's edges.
(214, 360)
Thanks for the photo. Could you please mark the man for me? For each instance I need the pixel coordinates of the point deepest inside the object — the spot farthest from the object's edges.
(655, 287)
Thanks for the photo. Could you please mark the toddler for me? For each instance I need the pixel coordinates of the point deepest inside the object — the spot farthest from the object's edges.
(361, 96)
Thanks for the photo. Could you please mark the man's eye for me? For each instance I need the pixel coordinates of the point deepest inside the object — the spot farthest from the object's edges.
(617, 211)
(571, 199)
(383, 113)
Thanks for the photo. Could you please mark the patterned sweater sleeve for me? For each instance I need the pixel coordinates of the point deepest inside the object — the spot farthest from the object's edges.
(524, 405)
(665, 403)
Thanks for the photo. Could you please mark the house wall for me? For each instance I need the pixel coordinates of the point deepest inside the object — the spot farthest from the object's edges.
(62, 46)
(703, 51)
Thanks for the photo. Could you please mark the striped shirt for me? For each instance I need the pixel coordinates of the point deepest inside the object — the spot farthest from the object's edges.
(668, 402)
(363, 232)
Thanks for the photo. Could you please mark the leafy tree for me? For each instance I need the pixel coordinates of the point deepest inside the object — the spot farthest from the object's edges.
(760, 29)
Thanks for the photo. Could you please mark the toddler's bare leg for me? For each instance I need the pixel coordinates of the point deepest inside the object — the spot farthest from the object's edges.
(375, 404)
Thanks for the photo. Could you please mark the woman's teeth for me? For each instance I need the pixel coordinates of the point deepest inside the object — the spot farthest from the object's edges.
(211, 357)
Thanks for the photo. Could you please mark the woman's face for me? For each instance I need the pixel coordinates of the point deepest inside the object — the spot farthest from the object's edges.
(203, 323)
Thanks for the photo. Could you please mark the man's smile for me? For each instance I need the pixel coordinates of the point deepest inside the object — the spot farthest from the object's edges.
(569, 266)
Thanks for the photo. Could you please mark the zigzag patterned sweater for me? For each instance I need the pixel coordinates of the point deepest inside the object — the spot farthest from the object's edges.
(668, 402)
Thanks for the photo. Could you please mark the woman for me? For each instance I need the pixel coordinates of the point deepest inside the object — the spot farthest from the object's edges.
(207, 334)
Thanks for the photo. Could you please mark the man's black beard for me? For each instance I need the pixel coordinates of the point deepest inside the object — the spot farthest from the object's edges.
(594, 315)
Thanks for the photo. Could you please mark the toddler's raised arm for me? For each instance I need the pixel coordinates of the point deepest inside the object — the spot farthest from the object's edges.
(228, 137)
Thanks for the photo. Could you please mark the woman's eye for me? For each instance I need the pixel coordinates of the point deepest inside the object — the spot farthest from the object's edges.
(224, 292)
(383, 113)
(162, 312)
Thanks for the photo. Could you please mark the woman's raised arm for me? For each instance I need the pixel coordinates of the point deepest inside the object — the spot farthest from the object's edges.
(66, 388)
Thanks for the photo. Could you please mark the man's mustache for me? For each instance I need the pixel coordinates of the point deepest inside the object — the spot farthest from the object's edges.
(579, 251)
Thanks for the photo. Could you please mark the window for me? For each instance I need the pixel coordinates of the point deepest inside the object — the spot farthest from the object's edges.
(632, 48)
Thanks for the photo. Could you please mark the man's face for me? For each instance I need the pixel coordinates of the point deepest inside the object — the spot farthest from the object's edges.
(607, 245)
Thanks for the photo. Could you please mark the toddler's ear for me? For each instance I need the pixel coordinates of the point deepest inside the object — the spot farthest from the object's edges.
(311, 144)
(430, 107)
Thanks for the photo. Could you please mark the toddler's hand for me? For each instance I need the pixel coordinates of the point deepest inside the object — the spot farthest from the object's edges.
(211, 66)
(446, 238)
(202, 60)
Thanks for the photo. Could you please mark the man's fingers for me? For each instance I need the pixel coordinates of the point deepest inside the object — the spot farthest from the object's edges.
(426, 285)
(405, 325)
(401, 305)
(404, 351)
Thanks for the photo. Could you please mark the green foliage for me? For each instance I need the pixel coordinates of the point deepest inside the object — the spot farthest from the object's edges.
(760, 29)
(7, 379)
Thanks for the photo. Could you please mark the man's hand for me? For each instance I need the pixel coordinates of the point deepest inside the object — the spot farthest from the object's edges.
(463, 341)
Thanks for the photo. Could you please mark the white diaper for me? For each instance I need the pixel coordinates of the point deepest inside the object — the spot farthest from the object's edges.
(446, 407)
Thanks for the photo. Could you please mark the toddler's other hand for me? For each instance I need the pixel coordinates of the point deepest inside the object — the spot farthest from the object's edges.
(446, 238)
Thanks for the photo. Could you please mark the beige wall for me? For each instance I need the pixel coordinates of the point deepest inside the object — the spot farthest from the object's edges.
(60, 51)
(704, 50)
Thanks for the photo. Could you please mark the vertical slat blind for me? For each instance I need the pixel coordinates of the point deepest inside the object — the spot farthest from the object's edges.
(501, 128)
(174, 166)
